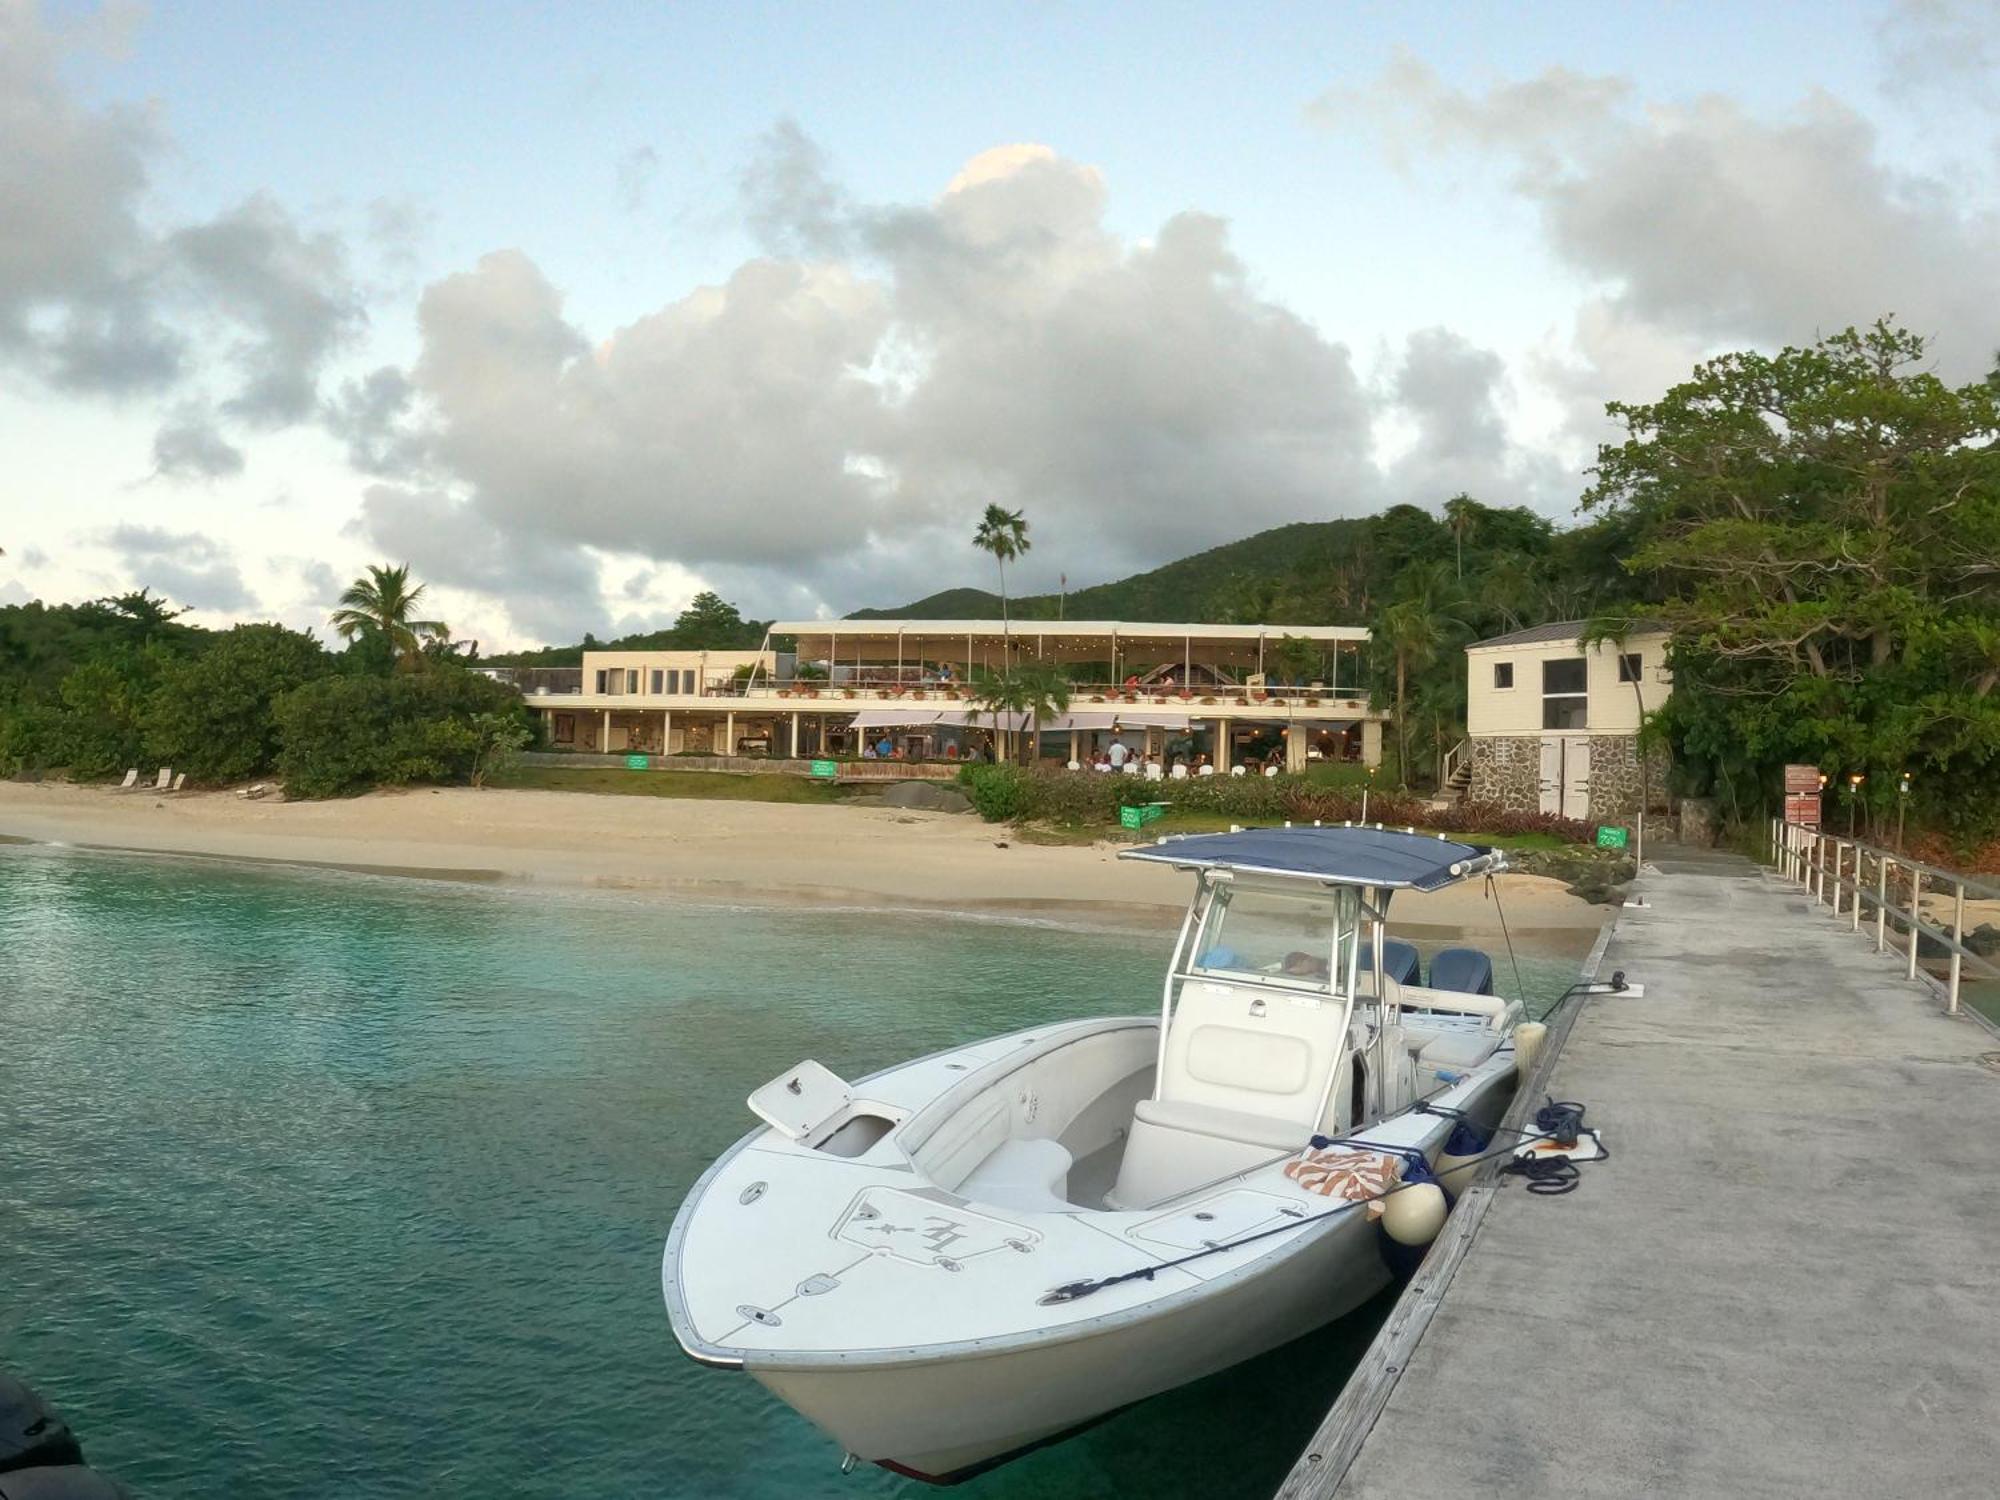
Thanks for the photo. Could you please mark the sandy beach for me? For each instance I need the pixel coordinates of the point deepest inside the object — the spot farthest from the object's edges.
(717, 851)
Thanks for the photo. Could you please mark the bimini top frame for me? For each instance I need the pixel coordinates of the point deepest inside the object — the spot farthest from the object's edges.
(1380, 858)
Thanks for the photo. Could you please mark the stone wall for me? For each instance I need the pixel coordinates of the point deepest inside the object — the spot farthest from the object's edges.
(1614, 778)
(1507, 773)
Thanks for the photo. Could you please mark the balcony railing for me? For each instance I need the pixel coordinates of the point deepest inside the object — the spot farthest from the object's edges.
(892, 686)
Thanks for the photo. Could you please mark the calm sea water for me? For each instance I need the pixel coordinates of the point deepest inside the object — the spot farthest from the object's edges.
(334, 1186)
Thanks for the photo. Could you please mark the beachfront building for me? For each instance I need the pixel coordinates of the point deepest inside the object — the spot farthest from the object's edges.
(1204, 694)
(1552, 725)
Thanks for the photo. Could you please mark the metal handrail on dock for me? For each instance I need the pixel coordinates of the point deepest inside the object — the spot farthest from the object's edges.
(1802, 853)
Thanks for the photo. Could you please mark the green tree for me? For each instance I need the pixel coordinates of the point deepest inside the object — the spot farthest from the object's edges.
(712, 623)
(1416, 627)
(1821, 526)
(1004, 534)
(211, 714)
(499, 740)
(380, 607)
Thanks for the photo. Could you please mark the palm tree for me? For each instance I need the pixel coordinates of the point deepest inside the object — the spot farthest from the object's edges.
(1034, 690)
(1004, 533)
(1424, 618)
(379, 607)
(1461, 514)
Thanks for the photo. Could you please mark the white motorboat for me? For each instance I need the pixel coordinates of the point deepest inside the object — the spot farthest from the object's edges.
(971, 1254)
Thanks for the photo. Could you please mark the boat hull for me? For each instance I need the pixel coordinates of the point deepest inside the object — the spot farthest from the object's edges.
(945, 1418)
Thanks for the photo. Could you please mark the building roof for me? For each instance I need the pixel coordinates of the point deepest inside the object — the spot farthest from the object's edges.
(1380, 857)
(1067, 629)
(1556, 630)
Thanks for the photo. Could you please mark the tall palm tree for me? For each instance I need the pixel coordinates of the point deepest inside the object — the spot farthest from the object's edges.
(380, 606)
(1424, 618)
(1461, 514)
(1004, 533)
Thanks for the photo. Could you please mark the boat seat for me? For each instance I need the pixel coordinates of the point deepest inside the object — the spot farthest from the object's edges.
(1029, 1175)
(1451, 1046)
(1224, 1124)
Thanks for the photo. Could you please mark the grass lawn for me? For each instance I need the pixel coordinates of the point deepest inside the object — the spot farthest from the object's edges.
(724, 786)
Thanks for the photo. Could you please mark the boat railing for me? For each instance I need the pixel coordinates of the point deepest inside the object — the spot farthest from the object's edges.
(1852, 877)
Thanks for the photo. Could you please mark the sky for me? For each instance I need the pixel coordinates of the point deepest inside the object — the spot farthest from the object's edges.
(578, 310)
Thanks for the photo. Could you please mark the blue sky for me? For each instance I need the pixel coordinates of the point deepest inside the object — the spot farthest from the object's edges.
(1428, 243)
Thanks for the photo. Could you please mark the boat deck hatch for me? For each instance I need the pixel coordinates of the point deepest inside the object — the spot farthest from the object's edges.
(1217, 1218)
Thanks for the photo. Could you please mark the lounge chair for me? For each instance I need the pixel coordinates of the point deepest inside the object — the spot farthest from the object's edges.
(131, 780)
(1399, 961)
(180, 780)
(164, 780)
(1464, 970)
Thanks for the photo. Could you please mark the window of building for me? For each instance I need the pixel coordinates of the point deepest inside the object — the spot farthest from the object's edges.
(1565, 693)
(632, 680)
(566, 726)
(1629, 667)
(1503, 674)
(601, 676)
(659, 682)
(673, 680)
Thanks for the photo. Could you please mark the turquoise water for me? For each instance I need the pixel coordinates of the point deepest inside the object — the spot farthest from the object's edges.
(330, 1185)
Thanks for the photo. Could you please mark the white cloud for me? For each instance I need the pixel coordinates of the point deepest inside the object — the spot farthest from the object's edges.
(187, 567)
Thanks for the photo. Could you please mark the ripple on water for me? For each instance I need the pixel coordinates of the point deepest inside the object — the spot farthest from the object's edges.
(333, 1185)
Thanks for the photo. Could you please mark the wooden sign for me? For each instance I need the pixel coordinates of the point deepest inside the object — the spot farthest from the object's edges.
(1801, 780)
(1803, 810)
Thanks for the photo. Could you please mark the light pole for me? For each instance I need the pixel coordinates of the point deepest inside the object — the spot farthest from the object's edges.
(1902, 807)
(1853, 798)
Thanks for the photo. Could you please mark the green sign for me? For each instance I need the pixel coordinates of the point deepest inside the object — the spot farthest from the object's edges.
(825, 768)
(637, 762)
(1611, 838)
(1140, 816)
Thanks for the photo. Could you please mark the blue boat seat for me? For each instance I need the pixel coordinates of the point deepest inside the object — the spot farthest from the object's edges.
(1466, 971)
(1399, 960)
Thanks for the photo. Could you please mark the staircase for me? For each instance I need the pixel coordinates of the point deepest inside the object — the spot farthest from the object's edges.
(1457, 773)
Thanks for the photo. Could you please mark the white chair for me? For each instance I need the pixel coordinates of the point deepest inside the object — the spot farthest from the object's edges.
(1132, 768)
(1105, 766)
(1206, 771)
(166, 779)
(131, 780)
(1179, 773)
(1237, 771)
(1270, 770)
(1153, 771)
(180, 780)
(1076, 765)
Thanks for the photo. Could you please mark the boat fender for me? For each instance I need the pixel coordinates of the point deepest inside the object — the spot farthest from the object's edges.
(64, 1482)
(1459, 1160)
(1413, 1215)
(32, 1434)
(1528, 1039)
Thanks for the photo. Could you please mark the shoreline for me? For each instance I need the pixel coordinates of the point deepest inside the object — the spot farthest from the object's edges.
(707, 853)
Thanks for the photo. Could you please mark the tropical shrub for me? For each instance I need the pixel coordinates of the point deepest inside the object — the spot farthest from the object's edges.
(340, 735)
(212, 714)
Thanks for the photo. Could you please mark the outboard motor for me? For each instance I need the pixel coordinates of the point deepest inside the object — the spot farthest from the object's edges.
(1399, 960)
(40, 1458)
(1463, 971)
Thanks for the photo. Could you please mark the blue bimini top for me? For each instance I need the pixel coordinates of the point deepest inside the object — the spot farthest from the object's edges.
(1379, 857)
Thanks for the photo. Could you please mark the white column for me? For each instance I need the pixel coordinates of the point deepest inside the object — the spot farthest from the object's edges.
(606, 745)
(795, 734)
(666, 731)
(729, 733)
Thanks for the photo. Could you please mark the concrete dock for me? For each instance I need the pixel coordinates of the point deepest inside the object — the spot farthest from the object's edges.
(1787, 1279)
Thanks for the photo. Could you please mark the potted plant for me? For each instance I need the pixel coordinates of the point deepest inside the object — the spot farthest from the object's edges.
(847, 692)
(1312, 703)
(1097, 697)
(1242, 700)
(1209, 699)
(917, 693)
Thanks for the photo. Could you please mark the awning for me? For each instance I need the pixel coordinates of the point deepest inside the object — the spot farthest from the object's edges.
(895, 718)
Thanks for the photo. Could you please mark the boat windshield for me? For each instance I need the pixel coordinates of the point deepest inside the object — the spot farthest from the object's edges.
(1277, 937)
